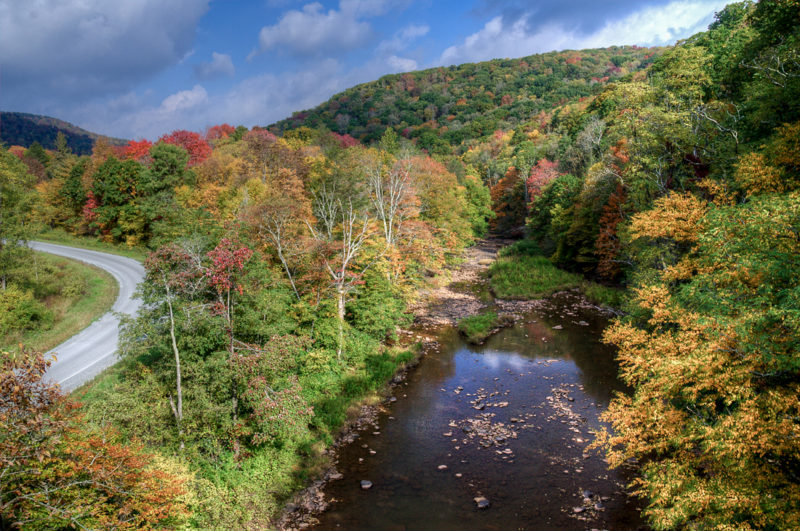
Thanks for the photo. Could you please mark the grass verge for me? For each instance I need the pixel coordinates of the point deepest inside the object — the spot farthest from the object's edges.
(74, 293)
(64, 238)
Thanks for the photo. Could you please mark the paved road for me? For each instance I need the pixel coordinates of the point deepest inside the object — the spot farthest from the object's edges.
(86, 354)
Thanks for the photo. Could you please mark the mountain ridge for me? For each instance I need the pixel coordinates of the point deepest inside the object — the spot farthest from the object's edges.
(23, 129)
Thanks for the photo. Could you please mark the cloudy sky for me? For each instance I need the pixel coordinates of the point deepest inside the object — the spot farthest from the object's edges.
(141, 68)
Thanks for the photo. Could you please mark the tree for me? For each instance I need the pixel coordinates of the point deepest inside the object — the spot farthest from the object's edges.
(712, 355)
(339, 259)
(172, 272)
(194, 144)
(228, 260)
(542, 174)
(56, 473)
(392, 197)
(137, 150)
(259, 150)
(15, 203)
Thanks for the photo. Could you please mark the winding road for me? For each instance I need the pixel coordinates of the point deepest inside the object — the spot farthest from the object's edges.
(86, 354)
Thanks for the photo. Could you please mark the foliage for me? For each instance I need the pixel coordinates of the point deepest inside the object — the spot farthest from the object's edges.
(20, 311)
(15, 201)
(57, 473)
(445, 107)
(714, 416)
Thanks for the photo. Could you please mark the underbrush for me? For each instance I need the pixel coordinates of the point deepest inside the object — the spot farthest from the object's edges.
(51, 300)
(248, 491)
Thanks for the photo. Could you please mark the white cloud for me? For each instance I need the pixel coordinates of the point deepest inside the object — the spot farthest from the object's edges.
(654, 25)
(313, 31)
(221, 65)
(403, 38)
(401, 64)
(54, 51)
(185, 99)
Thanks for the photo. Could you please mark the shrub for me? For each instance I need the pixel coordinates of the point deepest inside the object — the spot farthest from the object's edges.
(20, 311)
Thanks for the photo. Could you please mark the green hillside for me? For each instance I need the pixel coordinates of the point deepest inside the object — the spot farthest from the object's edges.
(443, 107)
(23, 129)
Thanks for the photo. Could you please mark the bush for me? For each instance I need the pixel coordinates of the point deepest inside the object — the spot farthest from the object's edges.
(20, 311)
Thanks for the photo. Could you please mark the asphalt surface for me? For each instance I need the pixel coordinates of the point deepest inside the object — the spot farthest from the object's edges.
(86, 354)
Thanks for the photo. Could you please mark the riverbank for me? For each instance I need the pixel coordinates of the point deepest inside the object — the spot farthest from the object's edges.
(438, 311)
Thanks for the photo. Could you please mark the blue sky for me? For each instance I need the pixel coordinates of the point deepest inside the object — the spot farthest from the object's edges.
(141, 68)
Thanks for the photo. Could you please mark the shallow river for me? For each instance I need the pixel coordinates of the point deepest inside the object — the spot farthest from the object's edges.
(508, 421)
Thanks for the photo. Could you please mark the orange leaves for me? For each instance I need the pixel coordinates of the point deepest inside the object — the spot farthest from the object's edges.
(57, 474)
(756, 176)
(674, 216)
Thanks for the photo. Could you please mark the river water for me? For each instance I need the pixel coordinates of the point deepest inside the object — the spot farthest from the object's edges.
(508, 421)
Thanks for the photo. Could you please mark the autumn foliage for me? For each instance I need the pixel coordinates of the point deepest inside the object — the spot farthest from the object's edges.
(57, 473)
(194, 144)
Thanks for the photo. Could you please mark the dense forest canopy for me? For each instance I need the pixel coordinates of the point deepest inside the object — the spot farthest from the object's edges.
(444, 107)
(282, 259)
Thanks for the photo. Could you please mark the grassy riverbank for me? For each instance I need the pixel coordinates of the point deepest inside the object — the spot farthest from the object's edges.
(521, 272)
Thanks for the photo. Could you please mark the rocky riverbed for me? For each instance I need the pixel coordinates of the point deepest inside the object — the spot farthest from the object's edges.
(492, 436)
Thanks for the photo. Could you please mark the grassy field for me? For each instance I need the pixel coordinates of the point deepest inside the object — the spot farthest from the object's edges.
(74, 295)
(82, 242)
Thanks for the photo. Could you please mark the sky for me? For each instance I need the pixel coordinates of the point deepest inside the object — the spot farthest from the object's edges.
(142, 68)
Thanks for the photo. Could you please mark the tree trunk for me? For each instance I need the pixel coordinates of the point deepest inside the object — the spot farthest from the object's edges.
(177, 410)
(340, 307)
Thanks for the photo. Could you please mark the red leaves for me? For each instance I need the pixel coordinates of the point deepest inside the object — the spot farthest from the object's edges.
(227, 261)
(197, 148)
(541, 175)
(90, 207)
(138, 151)
(346, 141)
(220, 131)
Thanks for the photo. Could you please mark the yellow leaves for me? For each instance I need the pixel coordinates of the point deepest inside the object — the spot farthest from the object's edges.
(717, 191)
(674, 216)
(756, 176)
(786, 149)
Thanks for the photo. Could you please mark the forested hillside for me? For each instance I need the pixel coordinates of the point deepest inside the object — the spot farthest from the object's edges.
(443, 107)
(281, 262)
(23, 129)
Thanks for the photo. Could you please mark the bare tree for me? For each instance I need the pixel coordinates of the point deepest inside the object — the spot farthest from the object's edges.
(355, 230)
(276, 222)
(325, 208)
(390, 194)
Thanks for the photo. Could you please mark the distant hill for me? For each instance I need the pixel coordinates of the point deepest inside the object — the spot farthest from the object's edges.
(443, 107)
(23, 129)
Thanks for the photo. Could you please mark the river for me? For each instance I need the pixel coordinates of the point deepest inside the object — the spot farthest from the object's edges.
(507, 421)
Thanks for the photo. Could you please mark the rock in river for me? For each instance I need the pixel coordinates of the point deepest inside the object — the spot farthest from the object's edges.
(481, 502)
(366, 485)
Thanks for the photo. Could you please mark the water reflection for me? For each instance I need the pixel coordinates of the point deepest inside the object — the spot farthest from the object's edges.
(545, 385)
